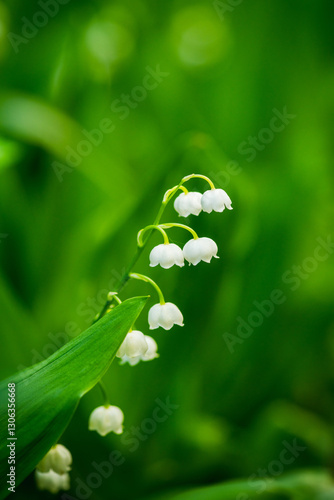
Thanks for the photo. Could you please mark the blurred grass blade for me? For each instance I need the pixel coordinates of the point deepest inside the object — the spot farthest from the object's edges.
(303, 485)
(35, 121)
(47, 393)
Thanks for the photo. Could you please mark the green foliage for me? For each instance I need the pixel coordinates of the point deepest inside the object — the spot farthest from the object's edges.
(300, 486)
(48, 393)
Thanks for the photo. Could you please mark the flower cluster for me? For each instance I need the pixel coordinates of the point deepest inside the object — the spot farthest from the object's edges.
(194, 251)
(198, 249)
(137, 346)
(52, 471)
(193, 203)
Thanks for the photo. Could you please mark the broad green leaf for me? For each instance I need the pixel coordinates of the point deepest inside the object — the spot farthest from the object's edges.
(47, 394)
(303, 485)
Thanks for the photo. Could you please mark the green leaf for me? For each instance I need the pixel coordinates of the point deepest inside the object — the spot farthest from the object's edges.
(302, 485)
(47, 394)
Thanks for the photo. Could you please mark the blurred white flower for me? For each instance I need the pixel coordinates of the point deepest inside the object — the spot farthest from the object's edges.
(200, 249)
(58, 459)
(51, 481)
(188, 203)
(150, 354)
(105, 419)
(216, 199)
(152, 351)
(166, 254)
(133, 345)
(131, 361)
(164, 315)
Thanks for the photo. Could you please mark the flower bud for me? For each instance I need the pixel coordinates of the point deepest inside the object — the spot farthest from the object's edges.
(215, 199)
(188, 203)
(164, 315)
(105, 419)
(200, 249)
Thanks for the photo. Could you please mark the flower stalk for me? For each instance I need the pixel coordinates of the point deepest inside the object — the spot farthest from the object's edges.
(142, 277)
(142, 242)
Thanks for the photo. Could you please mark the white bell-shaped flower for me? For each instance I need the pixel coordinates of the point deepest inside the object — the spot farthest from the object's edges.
(51, 481)
(133, 345)
(105, 419)
(166, 254)
(150, 354)
(59, 459)
(152, 351)
(216, 200)
(164, 315)
(188, 203)
(199, 249)
(131, 361)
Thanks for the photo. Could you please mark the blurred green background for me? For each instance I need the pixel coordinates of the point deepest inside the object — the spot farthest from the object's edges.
(178, 87)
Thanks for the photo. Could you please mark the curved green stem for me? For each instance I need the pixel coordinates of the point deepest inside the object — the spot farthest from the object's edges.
(174, 224)
(114, 296)
(142, 277)
(199, 176)
(151, 227)
(170, 193)
(104, 393)
(125, 277)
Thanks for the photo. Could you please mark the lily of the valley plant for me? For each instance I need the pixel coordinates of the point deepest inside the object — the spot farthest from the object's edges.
(52, 471)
